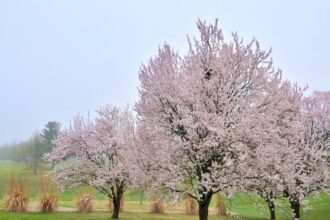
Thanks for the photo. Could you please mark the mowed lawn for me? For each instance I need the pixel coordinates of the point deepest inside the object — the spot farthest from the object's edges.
(133, 209)
(102, 216)
(317, 214)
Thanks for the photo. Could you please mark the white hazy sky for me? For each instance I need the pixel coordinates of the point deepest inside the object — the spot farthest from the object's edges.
(61, 57)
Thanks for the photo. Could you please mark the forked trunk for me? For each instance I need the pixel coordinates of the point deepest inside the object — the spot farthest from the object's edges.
(295, 207)
(204, 207)
(271, 207)
(116, 207)
(117, 191)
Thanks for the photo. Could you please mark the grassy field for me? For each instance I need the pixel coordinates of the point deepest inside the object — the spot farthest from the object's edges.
(133, 208)
(102, 216)
(33, 182)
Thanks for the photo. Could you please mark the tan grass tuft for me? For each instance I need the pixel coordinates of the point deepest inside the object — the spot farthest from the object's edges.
(220, 205)
(17, 199)
(191, 206)
(48, 199)
(157, 204)
(85, 202)
(48, 202)
(122, 203)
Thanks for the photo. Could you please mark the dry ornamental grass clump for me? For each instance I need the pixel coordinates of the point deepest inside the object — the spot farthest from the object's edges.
(191, 206)
(157, 204)
(17, 200)
(48, 202)
(85, 202)
(220, 205)
(122, 204)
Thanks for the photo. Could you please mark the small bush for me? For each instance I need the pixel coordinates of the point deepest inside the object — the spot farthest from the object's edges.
(110, 204)
(85, 202)
(157, 204)
(17, 199)
(191, 206)
(48, 202)
(220, 205)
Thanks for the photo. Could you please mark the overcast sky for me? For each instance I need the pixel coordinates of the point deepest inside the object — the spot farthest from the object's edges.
(61, 57)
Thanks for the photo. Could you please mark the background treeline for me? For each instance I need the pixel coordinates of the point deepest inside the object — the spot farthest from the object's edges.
(30, 151)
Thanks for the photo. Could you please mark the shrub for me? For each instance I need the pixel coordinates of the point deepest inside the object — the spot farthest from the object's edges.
(110, 205)
(220, 205)
(48, 202)
(157, 204)
(85, 202)
(17, 199)
(191, 205)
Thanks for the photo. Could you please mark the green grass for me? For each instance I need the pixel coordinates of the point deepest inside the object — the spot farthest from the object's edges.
(133, 208)
(100, 216)
(128, 215)
(33, 183)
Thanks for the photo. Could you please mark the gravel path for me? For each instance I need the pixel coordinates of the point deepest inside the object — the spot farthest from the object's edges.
(34, 207)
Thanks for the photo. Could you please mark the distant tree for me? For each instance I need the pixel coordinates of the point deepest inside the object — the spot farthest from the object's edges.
(5, 153)
(50, 133)
(19, 152)
(31, 150)
(15, 152)
(35, 148)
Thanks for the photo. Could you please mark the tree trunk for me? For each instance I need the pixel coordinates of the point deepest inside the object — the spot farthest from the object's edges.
(271, 207)
(116, 207)
(204, 207)
(269, 198)
(117, 194)
(141, 196)
(295, 208)
(35, 167)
